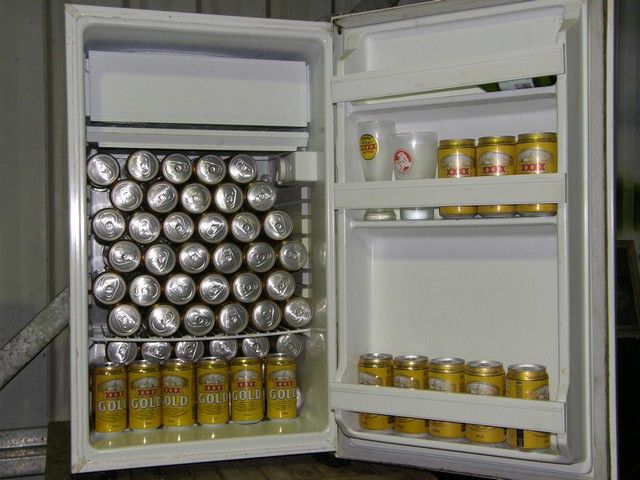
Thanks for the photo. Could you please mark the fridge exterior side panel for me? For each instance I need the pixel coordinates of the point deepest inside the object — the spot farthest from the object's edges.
(118, 30)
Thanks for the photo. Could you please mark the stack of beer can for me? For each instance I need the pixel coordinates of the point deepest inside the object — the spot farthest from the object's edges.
(194, 247)
(477, 377)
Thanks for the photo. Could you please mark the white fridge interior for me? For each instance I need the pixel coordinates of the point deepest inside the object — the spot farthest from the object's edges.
(513, 289)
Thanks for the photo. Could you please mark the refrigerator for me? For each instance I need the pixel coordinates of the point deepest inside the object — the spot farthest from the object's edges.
(291, 94)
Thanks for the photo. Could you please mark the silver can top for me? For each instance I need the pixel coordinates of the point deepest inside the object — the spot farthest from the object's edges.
(178, 227)
(299, 399)
(192, 351)
(226, 348)
(193, 257)
(124, 256)
(213, 227)
(227, 258)
(214, 289)
(265, 315)
(256, 347)
(233, 318)
(126, 195)
(124, 320)
(159, 259)
(292, 255)
(122, 352)
(280, 285)
(228, 197)
(242, 168)
(109, 288)
(298, 313)
(290, 344)
(277, 225)
(144, 290)
(103, 170)
(261, 196)
(162, 197)
(156, 352)
(260, 257)
(180, 289)
(108, 224)
(198, 320)
(163, 320)
(210, 169)
(246, 287)
(143, 165)
(144, 227)
(245, 227)
(195, 198)
(177, 168)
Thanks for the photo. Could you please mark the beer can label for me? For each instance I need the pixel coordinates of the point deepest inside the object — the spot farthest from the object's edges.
(484, 434)
(417, 379)
(452, 382)
(529, 390)
(457, 165)
(246, 394)
(110, 403)
(368, 147)
(281, 391)
(177, 398)
(381, 375)
(533, 161)
(493, 163)
(145, 401)
(493, 385)
(213, 396)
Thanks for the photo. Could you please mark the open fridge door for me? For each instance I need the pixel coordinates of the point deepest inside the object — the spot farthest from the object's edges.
(518, 289)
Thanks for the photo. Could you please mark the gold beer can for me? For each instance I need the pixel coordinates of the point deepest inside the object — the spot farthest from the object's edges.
(457, 159)
(446, 375)
(109, 392)
(145, 399)
(212, 391)
(496, 157)
(531, 382)
(484, 377)
(178, 393)
(375, 369)
(537, 153)
(411, 371)
(247, 405)
(280, 386)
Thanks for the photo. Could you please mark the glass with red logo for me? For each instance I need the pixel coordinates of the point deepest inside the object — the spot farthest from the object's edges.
(415, 157)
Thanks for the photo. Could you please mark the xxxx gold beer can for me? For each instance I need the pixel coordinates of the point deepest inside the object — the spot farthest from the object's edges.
(375, 369)
(537, 153)
(446, 375)
(109, 392)
(247, 404)
(531, 382)
(213, 391)
(411, 371)
(145, 400)
(496, 156)
(280, 386)
(457, 159)
(484, 377)
(178, 392)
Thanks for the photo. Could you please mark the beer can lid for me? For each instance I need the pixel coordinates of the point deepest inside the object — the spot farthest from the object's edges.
(156, 351)
(265, 315)
(159, 259)
(144, 290)
(233, 318)
(126, 195)
(177, 168)
(298, 313)
(214, 289)
(195, 198)
(261, 196)
(164, 320)
(143, 165)
(192, 351)
(210, 169)
(108, 224)
(178, 227)
(180, 289)
(124, 320)
(228, 197)
(484, 367)
(198, 320)
(122, 353)
(247, 287)
(194, 257)
(245, 227)
(292, 255)
(124, 256)
(260, 257)
(418, 361)
(224, 347)
(141, 366)
(290, 344)
(280, 285)
(109, 288)
(162, 197)
(257, 347)
(242, 168)
(213, 227)
(102, 170)
(277, 225)
(144, 227)
(227, 258)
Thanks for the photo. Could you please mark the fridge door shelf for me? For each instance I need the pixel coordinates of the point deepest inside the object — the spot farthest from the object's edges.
(510, 189)
(545, 416)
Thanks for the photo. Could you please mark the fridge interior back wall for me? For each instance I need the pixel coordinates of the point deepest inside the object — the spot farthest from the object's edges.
(514, 290)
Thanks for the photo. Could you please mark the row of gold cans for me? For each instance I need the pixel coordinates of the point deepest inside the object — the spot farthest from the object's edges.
(529, 154)
(478, 377)
(146, 395)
